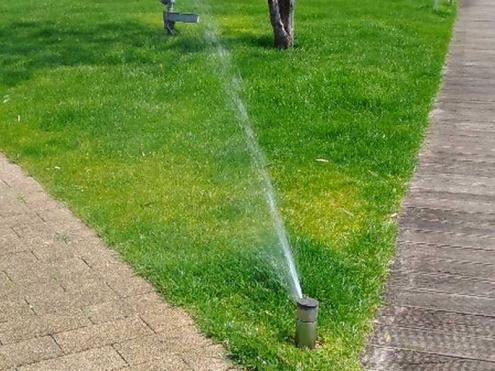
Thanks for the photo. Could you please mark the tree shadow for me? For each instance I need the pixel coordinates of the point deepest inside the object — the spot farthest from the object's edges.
(251, 40)
(27, 47)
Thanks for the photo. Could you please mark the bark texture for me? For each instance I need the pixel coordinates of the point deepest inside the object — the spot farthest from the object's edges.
(282, 19)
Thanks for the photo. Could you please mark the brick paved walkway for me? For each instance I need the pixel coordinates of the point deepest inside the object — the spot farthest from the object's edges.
(68, 303)
(441, 303)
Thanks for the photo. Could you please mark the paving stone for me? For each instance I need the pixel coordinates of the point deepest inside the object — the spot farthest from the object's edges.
(93, 292)
(14, 309)
(101, 359)
(108, 311)
(93, 252)
(13, 246)
(41, 201)
(169, 362)
(9, 241)
(207, 364)
(31, 326)
(61, 271)
(19, 292)
(13, 175)
(13, 262)
(5, 283)
(148, 302)
(20, 222)
(122, 280)
(52, 251)
(11, 206)
(126, 285)
(144, 349)
(32, 230)
(166, 320)
(60, 215)
(101, 334)
(28, 351)
(211, 358)
(93, 286)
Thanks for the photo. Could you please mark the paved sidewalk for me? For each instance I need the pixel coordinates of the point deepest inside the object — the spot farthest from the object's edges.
(68, 303)
(441, 296)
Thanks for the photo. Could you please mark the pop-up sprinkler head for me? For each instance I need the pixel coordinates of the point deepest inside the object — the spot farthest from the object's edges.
(306, 323)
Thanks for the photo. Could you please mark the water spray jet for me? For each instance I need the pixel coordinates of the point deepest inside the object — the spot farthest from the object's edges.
(306, 322)
(307, 311)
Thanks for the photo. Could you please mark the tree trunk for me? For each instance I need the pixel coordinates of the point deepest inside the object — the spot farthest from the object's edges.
(282, 19)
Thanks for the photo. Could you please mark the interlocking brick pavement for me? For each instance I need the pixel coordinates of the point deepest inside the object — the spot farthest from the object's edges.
(67, 302)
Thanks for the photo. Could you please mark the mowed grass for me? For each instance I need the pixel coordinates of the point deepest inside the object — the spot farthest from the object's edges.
(134, 131)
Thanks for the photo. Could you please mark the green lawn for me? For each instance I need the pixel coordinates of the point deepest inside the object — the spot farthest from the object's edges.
(134, 131)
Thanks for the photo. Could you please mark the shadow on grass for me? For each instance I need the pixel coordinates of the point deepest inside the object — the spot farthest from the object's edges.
(26, 47)
(251, 40)
(29, 46)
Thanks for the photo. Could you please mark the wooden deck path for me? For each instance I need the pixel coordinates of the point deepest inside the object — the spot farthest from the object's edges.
(441, 296)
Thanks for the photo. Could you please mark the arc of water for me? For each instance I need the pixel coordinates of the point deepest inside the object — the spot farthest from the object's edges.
(233, 88)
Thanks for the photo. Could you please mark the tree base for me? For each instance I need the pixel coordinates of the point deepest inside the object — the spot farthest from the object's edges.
(282, 19)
